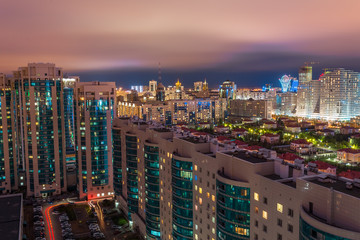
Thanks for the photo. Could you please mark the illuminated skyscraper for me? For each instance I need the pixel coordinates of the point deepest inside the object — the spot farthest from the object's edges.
(94, 112)
(305, 106)
(69, 84)
(41, 139)
(8, 164)
(339, 94)
(152, 87)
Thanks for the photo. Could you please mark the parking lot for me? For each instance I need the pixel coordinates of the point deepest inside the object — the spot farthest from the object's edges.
(82, 220)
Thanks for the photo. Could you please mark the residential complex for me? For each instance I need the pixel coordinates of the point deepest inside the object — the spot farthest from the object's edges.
(174, 185)
(251, 108)
(8, 154)
(94, 112)
(38, 99)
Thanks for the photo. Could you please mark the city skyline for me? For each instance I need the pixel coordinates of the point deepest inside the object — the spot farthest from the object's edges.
(180, 120)
(124, 41)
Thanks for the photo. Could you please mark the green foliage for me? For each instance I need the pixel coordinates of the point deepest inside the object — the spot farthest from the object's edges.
(118, 220)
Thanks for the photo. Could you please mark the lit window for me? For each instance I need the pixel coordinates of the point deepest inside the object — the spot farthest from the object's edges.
(200, 201)
(265, 215)
(195, 167)
(279, 207)
(200, 190)
(213, 230)
(213, 198)
(241, 231)
(256, 210)
(256, 196)
(195, 187)
(208, 194)
(196, 237)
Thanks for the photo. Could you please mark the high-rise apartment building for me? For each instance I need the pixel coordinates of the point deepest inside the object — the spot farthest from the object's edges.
(175, 186)
(40, 129)
(288, 101)
(153, 86)
(251, 108)
(94, 112)
(305, 78)
(339, 94)
(8, 157)
(69, 85)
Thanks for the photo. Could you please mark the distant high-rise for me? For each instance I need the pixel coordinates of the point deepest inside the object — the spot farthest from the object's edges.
(8, 164)
(94, 112)
(153, 87)
(339, 94)
(160, 92)
(304, 97)
(41, 139)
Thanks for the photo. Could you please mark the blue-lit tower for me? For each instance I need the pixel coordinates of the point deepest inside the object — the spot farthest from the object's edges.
(94, 112)
(69, 84)
(40, 128)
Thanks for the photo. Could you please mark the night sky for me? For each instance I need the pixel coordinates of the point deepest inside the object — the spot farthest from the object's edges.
(249, 42)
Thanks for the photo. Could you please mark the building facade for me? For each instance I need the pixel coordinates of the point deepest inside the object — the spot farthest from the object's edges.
(94, 112)
(8, 154)
(40, 127)
(251, 108)
(339, 94)
(186, 189)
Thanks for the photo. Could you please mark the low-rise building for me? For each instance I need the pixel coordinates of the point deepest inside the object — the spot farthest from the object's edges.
(11, 217)
(293, 128)
(289, 157)
(267, 124)
(270, 138)
(221, 129)
(324, 167)
(348, 130)
(348, 155)
(239, 132)
(321, 126)
(301, 146)
(325, 132)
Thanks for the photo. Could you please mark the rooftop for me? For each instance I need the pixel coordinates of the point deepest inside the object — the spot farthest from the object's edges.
(273, 177)
(248, 156)
(300, 141)
(10, 216)
(162, 129)
(323, 165)
(351, 174)
(349, 150)
(338, 185)
(290, 183)
(194, 139)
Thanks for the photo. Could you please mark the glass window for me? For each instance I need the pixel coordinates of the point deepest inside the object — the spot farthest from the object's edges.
(256, 196)
(279, 207)
(265, 215)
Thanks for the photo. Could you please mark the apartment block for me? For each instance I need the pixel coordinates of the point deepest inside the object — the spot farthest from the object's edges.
(39, 111)
(176, 186)
(251, 108)
(94, 112)
(8, 154)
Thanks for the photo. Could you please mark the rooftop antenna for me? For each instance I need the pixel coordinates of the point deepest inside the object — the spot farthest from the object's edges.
(159, 81)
